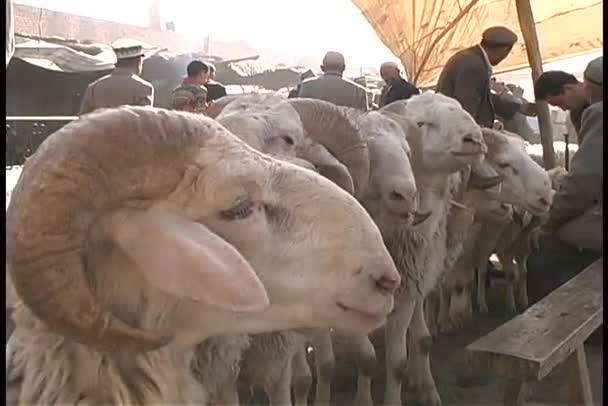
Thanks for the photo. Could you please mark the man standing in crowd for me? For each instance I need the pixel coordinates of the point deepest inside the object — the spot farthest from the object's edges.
(332, 87)
(396, 87)
(572, 237)
(306, 75)
(215, 89)
(123, 86)
(563, 90)
(191, 95)
(466, 78)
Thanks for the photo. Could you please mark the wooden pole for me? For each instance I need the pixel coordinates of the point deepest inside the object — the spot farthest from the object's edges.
(528, 30)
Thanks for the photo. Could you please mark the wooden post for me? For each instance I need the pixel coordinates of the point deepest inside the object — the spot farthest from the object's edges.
(528, 30)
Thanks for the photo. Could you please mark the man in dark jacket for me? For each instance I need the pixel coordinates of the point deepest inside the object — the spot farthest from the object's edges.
(572, 237)
(215, 89)
(563, 90)
(396, 87)
(466, 77)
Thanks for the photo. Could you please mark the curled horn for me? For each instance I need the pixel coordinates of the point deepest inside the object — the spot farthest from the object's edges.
(79, 172)
(328, 125)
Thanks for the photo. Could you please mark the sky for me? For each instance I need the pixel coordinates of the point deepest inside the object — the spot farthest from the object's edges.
(299, 30)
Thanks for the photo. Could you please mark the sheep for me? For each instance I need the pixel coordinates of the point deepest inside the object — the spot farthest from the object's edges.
(109, 202)
(311, 129)
(437, 151)
(518, 124)
(525, 184)
(509, 240)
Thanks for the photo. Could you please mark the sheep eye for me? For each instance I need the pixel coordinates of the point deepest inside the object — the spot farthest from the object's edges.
(288, 140)
(420, 123)
(240, 211)
(504, 166)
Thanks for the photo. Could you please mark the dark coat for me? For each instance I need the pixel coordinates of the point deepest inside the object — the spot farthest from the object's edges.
(400, 90)
(466, 78)
(576, 213)
(215, 90)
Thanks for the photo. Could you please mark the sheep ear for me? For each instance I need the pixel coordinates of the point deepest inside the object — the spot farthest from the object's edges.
(328, 166)
(186, 259)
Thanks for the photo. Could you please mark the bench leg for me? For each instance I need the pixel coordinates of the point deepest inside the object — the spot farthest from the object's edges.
(577, 374)
(515, 393)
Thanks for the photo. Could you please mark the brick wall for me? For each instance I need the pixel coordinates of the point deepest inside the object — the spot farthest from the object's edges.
(45, 23)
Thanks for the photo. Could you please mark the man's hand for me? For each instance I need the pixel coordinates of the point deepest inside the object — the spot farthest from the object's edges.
(498, 125)
(528, 109)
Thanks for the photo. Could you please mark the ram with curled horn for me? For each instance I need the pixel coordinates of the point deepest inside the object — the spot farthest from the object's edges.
(134, 234)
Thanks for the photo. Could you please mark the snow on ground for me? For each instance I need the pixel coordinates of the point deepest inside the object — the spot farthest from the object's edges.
(12, 175)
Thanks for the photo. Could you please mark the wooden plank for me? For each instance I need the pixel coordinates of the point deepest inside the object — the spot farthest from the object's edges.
(576, 374)
(528, 30)
(530, 345)
(515, 393)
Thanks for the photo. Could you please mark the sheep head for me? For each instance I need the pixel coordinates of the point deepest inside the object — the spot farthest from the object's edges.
(310, 129)
(188, 211)
(525, 183)
(450, 139)
(392, 195)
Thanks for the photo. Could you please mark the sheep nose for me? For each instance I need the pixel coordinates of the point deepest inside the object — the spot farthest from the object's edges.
(386, 280)
(472, 139)
(405, 195)
(544, 201)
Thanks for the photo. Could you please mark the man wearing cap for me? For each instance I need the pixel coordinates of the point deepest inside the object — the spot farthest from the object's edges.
(123, 86)
(396, 87)
(572, 237)
(563, 90)
(215, 89)
(466, 78)
(332, 87)
(191, 94)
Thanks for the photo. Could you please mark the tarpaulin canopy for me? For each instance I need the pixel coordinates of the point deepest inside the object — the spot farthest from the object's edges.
(423, 34)
(63, 56)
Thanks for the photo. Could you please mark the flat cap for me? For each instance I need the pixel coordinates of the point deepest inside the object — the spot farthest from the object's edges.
(333, 59)
(126, 48)
(594, 72)
(499, 35)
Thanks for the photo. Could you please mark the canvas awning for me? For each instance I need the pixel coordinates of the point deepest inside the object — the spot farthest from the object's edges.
(63, 56)
(423, 34)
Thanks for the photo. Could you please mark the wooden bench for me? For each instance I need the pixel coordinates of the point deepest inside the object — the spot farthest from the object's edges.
(549, 334)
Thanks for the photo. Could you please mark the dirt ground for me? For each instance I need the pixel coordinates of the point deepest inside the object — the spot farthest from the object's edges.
(453, 375)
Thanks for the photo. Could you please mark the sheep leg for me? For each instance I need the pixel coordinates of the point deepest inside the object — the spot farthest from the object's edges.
(460, 303)
(365, 357)
(420, 364)
(302, 377)
(445, 293)
(279, 392)
(395, 347)
(325, 363)
(228, 395)
(482, 278)
(522, 282)
(511, 278)
(431, 308)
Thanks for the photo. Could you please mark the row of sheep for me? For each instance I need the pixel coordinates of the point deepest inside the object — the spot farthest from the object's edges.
(161, 257)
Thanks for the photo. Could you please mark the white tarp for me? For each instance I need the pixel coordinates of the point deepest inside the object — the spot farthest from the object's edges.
(63, 58)
(10, 30)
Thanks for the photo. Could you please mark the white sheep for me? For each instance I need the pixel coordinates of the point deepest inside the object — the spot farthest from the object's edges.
(508, 239)
(111, 202)
(288, 130)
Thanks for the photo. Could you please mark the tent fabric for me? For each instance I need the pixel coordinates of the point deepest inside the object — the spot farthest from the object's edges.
(423, 34)
(58, 57)
(10, 31)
